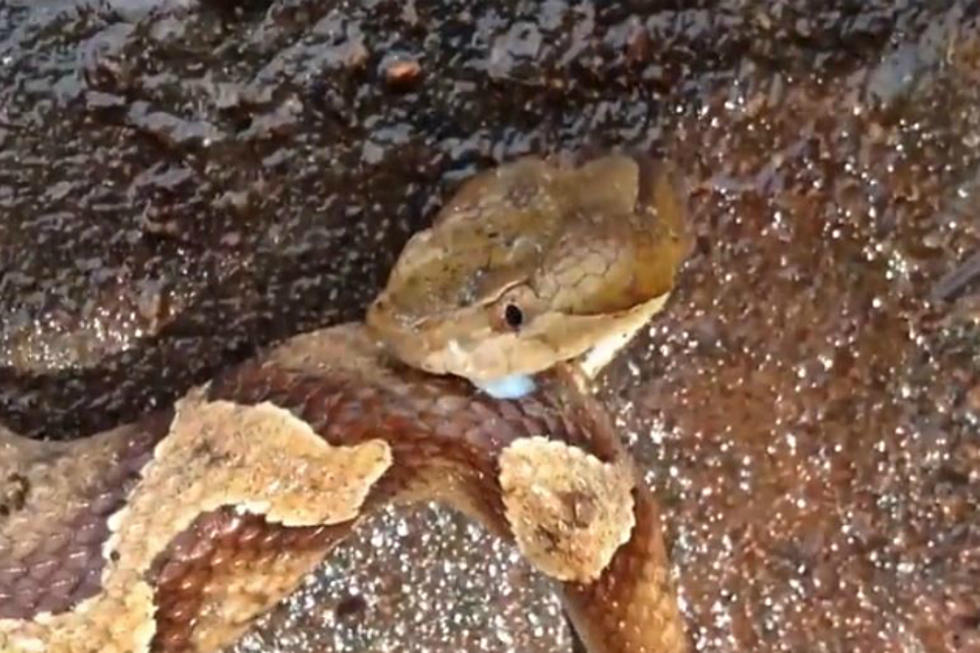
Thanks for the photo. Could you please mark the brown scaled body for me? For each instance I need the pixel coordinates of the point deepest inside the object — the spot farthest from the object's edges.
(444, 438)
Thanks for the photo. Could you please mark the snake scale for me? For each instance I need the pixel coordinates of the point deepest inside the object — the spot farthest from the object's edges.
(174, 533)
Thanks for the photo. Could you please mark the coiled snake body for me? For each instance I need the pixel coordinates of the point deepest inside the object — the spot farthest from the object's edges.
(174, 533)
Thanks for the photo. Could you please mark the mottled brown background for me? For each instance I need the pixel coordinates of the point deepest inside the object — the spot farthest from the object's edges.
(182, 181)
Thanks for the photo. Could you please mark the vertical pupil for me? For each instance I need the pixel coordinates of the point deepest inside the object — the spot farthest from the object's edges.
(513, 315)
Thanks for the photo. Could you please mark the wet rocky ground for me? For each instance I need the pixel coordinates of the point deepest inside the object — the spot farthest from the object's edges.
(182, 181)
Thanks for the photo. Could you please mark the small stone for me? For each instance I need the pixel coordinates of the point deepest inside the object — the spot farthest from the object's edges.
(638, 44)
(409, 14)
(350, 606)
(402, 73)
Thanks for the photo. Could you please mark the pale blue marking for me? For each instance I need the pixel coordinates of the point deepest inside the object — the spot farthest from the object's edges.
(508, 387)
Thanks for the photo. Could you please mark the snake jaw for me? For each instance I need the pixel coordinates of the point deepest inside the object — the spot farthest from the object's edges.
(594, 360)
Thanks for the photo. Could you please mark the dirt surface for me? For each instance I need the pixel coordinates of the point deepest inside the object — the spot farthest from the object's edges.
(182, 181)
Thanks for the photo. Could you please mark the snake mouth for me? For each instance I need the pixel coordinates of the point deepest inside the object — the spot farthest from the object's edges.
(413, 346)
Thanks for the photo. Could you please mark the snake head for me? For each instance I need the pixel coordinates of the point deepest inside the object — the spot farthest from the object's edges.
(533, 263)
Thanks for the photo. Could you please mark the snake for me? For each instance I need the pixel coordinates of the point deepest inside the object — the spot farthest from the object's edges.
(469, 382)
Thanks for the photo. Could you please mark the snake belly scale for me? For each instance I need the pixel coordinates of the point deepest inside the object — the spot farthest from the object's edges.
(174, 533)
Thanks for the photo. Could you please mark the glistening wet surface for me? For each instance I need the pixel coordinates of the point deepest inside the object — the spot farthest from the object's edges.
(181, 182)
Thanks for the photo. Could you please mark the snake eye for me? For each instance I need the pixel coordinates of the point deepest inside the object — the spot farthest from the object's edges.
(514, 316)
